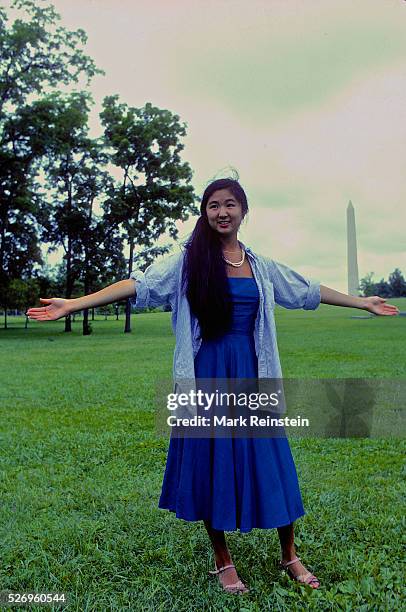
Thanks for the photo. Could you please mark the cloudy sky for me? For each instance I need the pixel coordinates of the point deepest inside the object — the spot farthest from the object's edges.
(307, 100)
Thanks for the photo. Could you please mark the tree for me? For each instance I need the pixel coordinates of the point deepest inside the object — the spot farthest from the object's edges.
(395, 287)
(147, 256)
(75, 180)
(20, 148)
(155, 189)
(397, 283)
(367, 285)
(21, 293)
(35, 53)
(382, 289)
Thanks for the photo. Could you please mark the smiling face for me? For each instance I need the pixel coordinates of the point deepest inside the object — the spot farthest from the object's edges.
(224, 212)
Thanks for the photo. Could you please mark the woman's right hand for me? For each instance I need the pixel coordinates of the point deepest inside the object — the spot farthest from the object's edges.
(55, 308)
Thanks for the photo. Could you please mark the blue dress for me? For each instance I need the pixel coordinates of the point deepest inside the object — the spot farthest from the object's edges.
(235, 483)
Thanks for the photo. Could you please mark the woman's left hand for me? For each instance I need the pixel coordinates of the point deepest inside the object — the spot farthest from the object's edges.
(376, 305)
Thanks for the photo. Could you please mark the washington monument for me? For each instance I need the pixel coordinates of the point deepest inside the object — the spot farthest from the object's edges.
(352, 264)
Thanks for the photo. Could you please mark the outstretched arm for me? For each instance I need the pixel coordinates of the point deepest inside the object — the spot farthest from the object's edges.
(156, 286)
(374, 304)
(113, 293)
(57, 308)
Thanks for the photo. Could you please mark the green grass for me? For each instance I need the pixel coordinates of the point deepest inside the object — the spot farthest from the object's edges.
(81, 471)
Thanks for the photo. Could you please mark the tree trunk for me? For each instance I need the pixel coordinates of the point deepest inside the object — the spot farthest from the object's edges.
(69, 280)
(128, 317)
(86, 328)
(127, 328)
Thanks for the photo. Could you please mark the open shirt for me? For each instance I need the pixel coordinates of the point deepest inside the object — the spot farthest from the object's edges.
(161, 284)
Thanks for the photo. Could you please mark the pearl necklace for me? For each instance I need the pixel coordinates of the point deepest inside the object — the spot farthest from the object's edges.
(237, 264)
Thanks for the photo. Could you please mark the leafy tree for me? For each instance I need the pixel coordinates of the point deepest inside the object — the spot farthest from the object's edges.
(147, 256)
(20, 148)
(397, 283)
(35, 53)
(382, 289)
(367, 285)
(394, 287)
(21, 293)
(155, 190)
(75, 181)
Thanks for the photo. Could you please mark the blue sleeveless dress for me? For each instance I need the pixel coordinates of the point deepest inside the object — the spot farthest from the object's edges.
(235, 483)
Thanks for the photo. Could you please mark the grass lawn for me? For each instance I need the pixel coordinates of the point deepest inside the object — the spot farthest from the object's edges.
(81, 471)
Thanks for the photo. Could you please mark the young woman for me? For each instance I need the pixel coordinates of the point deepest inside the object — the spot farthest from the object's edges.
(222, 297)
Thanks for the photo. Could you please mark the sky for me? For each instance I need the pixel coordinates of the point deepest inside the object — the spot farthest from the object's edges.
(305, 99)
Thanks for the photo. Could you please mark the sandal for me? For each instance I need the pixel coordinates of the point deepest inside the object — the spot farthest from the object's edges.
(308, 578)
(238, 587)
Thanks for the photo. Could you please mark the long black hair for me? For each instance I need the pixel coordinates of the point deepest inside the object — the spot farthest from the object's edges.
(204, 276)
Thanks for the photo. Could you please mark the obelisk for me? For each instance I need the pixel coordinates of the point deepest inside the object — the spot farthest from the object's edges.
(352, 263)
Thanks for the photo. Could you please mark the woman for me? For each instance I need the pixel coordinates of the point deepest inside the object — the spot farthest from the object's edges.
(222, 297)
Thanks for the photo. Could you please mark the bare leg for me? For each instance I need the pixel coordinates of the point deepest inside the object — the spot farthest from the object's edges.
(221, 554)
(288, 550)
(287, 537)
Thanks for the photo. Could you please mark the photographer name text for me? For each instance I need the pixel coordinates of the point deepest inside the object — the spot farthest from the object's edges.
(223, 421)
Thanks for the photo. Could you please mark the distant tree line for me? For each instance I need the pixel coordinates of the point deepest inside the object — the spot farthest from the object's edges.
(394, 287)
(60, 186)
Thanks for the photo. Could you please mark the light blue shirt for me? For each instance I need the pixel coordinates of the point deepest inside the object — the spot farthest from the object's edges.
(160, 285)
